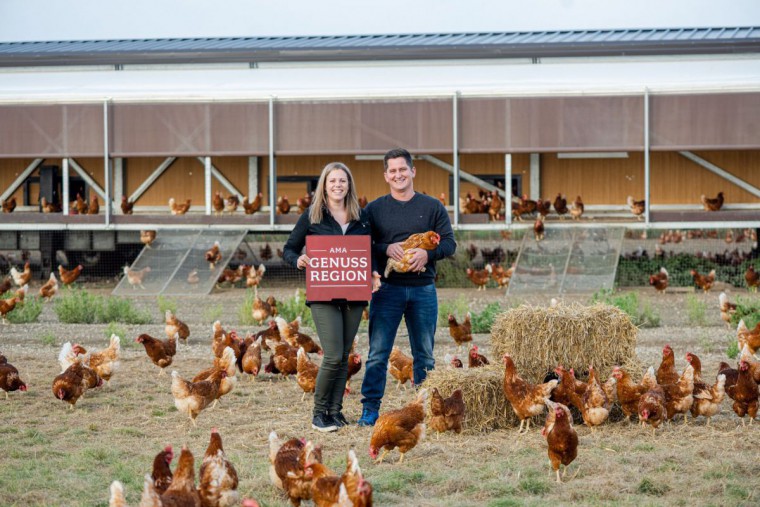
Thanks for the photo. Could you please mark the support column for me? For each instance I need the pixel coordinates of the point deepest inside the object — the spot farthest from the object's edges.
(508, 188)
(253, 177)
(65, 176)
(106, 166)
(647, 203)
(118, 180)
(272, 176)
(455, 150)
(207, 183)
(535, 176)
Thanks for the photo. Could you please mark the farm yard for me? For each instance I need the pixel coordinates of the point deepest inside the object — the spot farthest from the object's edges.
(56, 456)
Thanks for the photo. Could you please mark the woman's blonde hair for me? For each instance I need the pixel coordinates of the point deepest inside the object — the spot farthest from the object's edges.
(319, 202)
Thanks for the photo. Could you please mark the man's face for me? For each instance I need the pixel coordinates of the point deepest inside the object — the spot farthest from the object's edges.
(399, 175)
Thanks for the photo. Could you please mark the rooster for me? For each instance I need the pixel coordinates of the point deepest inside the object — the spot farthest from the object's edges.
(213, 255)
(712, 204)
(402, 428)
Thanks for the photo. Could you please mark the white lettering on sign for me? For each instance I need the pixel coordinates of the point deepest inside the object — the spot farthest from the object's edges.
(341, 262)
(338, 276)
(337, 250)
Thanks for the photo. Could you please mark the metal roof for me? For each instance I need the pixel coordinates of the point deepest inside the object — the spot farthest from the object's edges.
(623, 42)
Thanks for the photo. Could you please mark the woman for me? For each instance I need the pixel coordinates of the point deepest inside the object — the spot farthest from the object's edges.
(334, 211)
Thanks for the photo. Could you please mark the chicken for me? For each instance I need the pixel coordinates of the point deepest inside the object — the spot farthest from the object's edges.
(217, 477)
(732, 374)
(744, 393)
(680, 396)
(560, 205)
(270, 334)
(192, 397)
(427, 241)
(94, 207)
(749, 338)
(22, 278)
(179, 209)
(147, 238)
(754, 364)
(217, 203)
(175, 326)
(283, 205)
(752, 278)
(350, 489)
(288, 461)
(527, 400)
(107, 361)
(453, 361)
(127, 206)
(480, 277)
(595, 402)
(501, 276)
(628, 392)
(213, 255)
(543, 207)
(461, 333)
(162, 474)
(296, 338)
(402, 428)
(50, 288)
(566, 392)
(70, 385)
(637, 207)
(561, 438)
(284, 359)
(80, 205)
(182, 491)
(6, 285)
(253, 206)
(476, 359)
(524, 207)
(69, 355)
(265, 252)
(659, 280)
(7, 306)
(704, 282)
(251, 361)
(262, 310)
(9, 205)
(223, 340)
(354, 366)
(161, 352)
(226, 362)
(135, 277)
(401, 367)
(254, 276)
(306, 373)
(666, 373)
(539, 228)
(446, 413)
(303, 203)
(49, 207)
(363, 201)
(712, 204)
(577, 209)
(727, 309)
(69, 276)
(652, 407)
(494, 208)
(707, 399)
(9, 378)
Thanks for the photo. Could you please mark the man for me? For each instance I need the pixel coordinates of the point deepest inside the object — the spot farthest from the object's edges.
(412, 295)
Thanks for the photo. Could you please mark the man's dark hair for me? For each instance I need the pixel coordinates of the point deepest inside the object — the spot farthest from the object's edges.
(397, 153)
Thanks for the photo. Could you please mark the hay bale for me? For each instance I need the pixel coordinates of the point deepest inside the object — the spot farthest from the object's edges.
(539, 338)
(486, 407)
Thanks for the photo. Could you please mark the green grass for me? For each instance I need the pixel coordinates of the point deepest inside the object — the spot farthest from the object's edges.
(733, 349)
(213, 313)
(747, 309)
(77, 306)
(48, 339)
(165, 303)
(649, 487)
(457, 307)
(642, 315)
(696, 309)
(26, 312)
(483, 321)
(245, 318)
(292, 307)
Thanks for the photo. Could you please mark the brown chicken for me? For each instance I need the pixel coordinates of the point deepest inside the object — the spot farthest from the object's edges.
(401, 367)
(217, 477)
(402, 428)
(426, 241)
(288, 468)
(135, 277)
(560, 205)
(6, 307)
(192, 397)
(9, 205)
(127, 206)
(446, 414)
(182, 491)
(6, 284)
(22, 278)
(251, 361)
(595, 402)
(752, 278)
(271, 334)
(262, 310)
(175, 326)
(750, 338)
(561, 438)
(566, 392)
(707, 399)
(303, 203)
(704, 282)
(147, 238)
(161, 352)
(226, 363)
(476, 359)
(254, 276)
(539, 230)
(712, 204)
(50, 288)
(348, 489)
(284, 359)
(544, 207)
(461, 333)
(306, 373)
(80, 205)
(527, 400)
(754, 364)
(652, 407)
(680, 396)
(744, 393)
(666, 373)
(69, 276)
(628, 392)
(502, 276)
(162, 473)
(296, 338)
(253, 206)
(727, 309)
(354, 366)
(495, 206)
(179, 209)
(659, 280)
(70, 385)
(49, 207)
(222, 340)
(637, 207)
(265, 252)
(283, 205)
(213, 255)
(107, 361)
(577, 209)
(217, 203)
(479, 277)
(9, 378)
(94, 207)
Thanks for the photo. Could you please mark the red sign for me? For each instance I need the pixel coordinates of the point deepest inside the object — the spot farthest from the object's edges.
(339, 268)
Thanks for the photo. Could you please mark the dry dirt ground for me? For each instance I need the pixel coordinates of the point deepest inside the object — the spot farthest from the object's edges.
(53, 456)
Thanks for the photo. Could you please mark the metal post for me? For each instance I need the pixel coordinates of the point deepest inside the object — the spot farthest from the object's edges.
(106, 164)
(65, 176)
(647, 202)
(207, 183)
(272, 177)
(118, 179)
(253, 177)
(508, 188)
(535, 176)
(455, 149)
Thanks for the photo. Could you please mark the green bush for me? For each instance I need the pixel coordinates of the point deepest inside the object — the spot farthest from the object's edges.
(733, 349)
(292, 307)
(747, 309)
(697, 310)
(26, 312)
(641, 315)
(457, 307)
(165, 303)
(245, 317)
(483, 321)
(77, 306)
(113, 309)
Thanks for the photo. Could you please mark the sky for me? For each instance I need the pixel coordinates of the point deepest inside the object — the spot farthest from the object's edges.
(37, 20)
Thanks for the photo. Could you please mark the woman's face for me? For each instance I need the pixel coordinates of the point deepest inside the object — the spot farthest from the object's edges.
(336, 185)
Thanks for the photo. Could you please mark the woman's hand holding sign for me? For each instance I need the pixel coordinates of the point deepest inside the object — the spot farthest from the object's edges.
(303, 261)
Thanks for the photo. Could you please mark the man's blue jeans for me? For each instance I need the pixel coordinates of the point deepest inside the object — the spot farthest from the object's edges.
(419, 307)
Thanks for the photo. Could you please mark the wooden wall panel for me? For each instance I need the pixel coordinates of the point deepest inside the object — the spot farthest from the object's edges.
(9, 171)
(598, 181)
